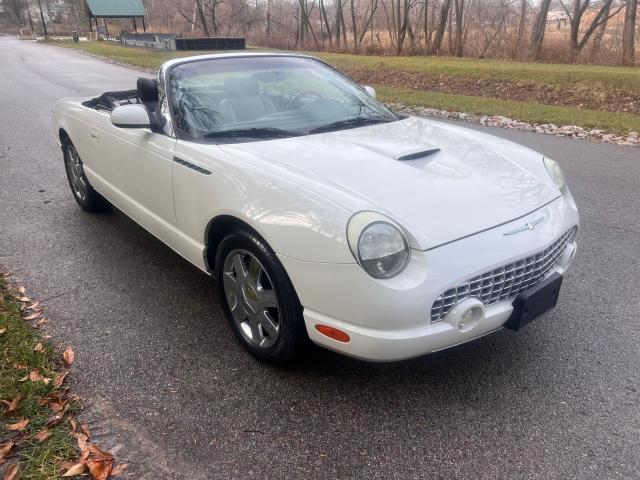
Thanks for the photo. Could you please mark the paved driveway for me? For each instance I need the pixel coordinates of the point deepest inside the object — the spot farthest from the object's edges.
(163, 373)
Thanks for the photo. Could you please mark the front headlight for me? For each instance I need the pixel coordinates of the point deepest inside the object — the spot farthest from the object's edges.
(556, 174)
(378, 244)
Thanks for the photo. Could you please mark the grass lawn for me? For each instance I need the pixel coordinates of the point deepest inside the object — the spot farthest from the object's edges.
(525, 111)
(25, 352)
(603, 78)
(558, 76)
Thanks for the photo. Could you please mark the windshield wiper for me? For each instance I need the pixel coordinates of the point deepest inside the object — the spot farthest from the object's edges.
(266, 132)
(351, 122)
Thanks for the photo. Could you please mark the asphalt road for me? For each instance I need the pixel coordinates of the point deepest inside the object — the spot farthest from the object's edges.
(180, 399)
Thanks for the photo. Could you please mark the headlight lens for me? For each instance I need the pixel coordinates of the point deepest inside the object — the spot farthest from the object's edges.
(556, 173)
(378, 244)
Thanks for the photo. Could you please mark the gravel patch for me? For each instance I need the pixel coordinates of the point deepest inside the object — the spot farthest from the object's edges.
(631, 139)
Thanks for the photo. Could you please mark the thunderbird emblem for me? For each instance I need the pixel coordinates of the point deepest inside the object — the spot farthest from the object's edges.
(526, 226)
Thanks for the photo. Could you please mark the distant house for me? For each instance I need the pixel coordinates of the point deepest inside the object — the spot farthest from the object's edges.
(558, 19)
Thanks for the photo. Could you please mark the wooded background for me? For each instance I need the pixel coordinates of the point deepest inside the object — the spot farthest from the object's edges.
(584, 31)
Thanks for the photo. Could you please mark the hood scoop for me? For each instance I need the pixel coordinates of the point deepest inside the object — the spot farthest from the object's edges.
(416, 154)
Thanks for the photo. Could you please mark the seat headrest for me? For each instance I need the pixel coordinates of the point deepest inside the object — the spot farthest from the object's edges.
(148, 89)
(241, 87)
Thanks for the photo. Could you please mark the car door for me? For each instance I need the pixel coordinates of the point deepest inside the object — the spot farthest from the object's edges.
(132, 167)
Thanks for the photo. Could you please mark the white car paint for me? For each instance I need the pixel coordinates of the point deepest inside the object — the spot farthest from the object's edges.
(299, 193)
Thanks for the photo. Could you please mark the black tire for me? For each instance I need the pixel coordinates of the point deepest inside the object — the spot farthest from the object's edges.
(292, 332)
(83, 192)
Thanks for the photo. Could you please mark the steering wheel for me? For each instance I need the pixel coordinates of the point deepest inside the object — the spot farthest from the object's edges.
(300, 96)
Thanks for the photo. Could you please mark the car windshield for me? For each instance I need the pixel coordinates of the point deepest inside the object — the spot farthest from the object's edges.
(266, 97)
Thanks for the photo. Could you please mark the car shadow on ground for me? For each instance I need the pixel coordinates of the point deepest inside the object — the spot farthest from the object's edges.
(178, 297)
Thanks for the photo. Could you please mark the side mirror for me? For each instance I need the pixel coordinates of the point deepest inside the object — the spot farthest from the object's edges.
(131, 116)
(370, 90)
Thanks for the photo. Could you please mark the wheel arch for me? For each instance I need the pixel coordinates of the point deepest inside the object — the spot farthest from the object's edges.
(63, 135)
(215, 231)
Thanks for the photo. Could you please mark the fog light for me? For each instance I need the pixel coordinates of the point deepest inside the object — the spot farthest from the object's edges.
(466, 314)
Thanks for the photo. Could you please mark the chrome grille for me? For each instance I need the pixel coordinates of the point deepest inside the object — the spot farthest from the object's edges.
(505, 282)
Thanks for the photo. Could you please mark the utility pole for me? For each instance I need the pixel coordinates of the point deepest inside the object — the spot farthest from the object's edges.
(44, 26)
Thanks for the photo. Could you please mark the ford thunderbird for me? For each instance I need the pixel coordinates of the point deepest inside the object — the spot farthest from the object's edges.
(321, 214)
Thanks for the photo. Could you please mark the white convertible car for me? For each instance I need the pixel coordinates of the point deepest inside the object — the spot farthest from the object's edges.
(322, 214)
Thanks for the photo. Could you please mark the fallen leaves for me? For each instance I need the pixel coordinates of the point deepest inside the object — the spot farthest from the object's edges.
(119, 469)
(18, 426)
(75, 470)
(100, 469)
(42, 435)
(12, 406)
(34, 315)
(35, 376)
(5, 448)
(58, 406)
(54, 420)
(32, 305)
(85, 429)
(69, 356)
(12, 473)
(41, 322)
(33, 365)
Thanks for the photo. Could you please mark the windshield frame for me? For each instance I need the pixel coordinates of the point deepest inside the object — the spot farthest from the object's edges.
(165, 74)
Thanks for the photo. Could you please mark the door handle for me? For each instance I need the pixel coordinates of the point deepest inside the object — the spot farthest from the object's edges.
(94, 136)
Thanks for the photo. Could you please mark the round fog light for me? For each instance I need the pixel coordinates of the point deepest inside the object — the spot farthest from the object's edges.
(466, 314)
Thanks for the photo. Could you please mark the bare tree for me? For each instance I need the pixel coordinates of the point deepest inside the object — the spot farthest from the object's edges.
(359, 31)
(576, 44)
(17, 10)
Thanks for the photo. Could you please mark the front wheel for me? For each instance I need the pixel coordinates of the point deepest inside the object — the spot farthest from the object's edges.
(83, 192)
(259, 300)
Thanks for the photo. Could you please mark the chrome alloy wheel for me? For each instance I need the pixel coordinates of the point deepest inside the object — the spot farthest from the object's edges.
(78, 180)
(251, 298)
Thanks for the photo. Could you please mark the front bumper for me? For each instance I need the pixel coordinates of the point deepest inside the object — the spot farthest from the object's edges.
(389, 320)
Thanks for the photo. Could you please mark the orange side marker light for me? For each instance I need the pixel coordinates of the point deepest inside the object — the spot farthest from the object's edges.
(333, 333)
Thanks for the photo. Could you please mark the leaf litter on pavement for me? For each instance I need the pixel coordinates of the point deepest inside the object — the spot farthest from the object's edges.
(39, 434)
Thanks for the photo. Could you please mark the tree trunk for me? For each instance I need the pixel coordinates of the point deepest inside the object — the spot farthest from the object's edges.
(427, 34)
(354, 26)
(268, 17)
(521, 26)
(628, 35)
(597, 39)
(537, 34)
(323, 17)
(442, 25)
(338, 21)
(459, 7)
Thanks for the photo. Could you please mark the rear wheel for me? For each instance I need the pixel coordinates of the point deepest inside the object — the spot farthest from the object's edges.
(83, 192)
(259, 300)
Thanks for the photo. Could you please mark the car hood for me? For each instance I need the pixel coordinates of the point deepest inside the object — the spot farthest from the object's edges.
(469, 182)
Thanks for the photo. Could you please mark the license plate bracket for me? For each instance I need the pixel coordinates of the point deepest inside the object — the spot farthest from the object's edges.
(534, 302)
